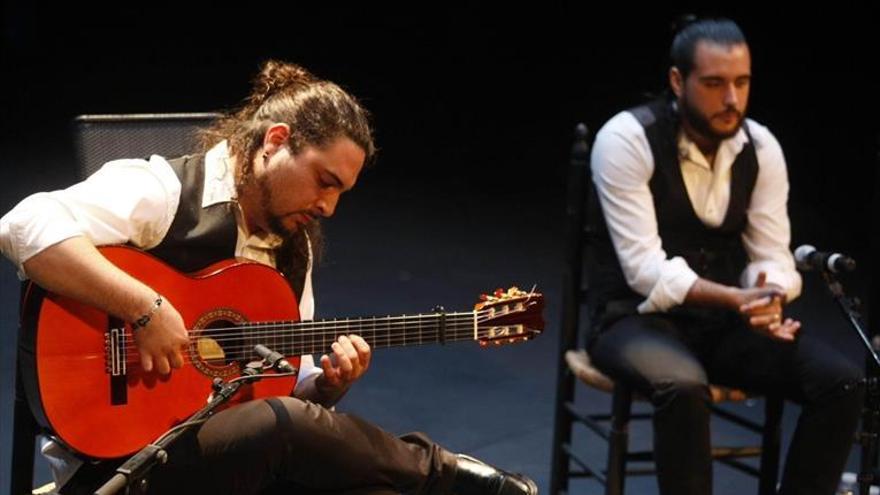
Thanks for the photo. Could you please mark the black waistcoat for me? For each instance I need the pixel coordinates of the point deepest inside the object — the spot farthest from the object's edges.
(714, 253)
(197, 236)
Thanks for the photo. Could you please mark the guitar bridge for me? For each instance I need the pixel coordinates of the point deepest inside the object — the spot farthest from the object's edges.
(115, 361)
(114, 352)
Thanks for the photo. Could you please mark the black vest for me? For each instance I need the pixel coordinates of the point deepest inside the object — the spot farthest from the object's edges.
(201, 236)
(714, 253)
(197, 236)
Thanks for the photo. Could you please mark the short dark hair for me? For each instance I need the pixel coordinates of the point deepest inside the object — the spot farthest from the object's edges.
(720, 31)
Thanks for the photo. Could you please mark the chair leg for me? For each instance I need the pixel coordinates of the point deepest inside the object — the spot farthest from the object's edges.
(770, 445)
(24, 429)
(618, 442)
(559, 469)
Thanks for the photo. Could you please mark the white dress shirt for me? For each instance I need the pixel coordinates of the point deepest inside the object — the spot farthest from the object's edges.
(622, 166)
(130, 201)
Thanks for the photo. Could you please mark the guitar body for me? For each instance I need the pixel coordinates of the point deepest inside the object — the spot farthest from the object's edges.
(81, 369)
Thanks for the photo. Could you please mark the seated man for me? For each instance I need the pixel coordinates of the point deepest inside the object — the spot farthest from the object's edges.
(267, 173)
(693, 270)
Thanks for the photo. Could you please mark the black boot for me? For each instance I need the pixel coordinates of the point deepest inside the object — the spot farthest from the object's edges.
(473, 477)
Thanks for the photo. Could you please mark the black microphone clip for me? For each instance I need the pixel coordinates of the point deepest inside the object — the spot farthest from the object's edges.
(274, 360)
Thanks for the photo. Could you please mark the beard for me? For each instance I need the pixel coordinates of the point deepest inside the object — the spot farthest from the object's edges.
(276, 226)
(703, 125)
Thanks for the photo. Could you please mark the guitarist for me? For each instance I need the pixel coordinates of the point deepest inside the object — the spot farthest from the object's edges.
(268, 172)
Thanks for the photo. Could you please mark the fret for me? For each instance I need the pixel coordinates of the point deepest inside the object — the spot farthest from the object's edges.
(295, 340)
(248, 340)
(313, 345)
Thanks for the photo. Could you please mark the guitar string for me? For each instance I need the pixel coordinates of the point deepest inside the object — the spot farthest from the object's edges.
(325, 327)
(454, 335)
(453, 332)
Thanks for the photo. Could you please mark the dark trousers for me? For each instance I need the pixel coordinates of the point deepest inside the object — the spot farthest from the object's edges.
(288, 446)
(671, 358)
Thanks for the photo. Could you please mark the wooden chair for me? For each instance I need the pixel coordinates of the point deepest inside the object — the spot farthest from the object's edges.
(574, 367)
(99, 139)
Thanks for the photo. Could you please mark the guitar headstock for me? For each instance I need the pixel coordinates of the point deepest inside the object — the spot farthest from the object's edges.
(508, 317)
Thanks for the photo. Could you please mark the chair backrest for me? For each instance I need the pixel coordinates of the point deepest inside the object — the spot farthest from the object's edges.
(874, 297)
(574, 292)
(101, 138)
(581, 209)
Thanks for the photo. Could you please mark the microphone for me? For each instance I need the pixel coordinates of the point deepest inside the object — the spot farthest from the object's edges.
(274, 359)
(807, 258)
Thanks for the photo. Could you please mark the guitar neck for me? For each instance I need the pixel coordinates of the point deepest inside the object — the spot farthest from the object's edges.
(315, 337)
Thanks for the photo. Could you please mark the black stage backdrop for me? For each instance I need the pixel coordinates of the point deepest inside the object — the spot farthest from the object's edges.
(472, 104)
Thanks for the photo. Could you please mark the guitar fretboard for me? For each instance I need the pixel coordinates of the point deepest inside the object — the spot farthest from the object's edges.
(315, 337)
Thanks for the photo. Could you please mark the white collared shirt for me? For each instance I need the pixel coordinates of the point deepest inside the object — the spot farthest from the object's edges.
(622, 165)
(129, 201)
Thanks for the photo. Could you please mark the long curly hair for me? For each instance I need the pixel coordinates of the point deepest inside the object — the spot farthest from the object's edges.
(317, 111)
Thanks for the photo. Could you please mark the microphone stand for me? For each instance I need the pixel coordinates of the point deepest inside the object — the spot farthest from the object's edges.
(132, 475)
(868, 437)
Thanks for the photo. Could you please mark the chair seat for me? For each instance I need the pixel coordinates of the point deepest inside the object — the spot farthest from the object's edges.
(580, 365)
(46, 489)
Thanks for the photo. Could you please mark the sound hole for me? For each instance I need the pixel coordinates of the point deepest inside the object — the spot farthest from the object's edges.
(219, 344)
(219, 348)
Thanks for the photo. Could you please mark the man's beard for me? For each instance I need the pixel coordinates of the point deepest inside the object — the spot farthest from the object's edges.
(276, 226)
(703, 126)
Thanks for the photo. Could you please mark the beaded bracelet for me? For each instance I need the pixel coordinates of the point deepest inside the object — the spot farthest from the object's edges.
(143, 320)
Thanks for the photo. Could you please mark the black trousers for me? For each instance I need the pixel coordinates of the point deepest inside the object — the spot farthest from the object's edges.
(284, 445)
(671, 359)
